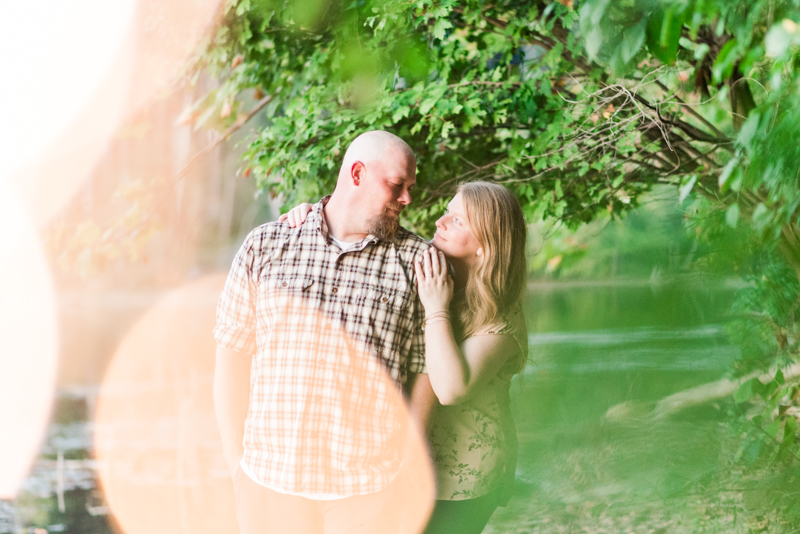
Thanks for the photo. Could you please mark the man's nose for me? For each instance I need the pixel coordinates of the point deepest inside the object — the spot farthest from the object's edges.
(405, 198)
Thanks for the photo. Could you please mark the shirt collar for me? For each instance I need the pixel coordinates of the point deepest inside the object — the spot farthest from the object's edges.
(317, 217)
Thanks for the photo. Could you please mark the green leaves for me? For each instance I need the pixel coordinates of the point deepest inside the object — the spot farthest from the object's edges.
(632, 41)
(440, 27)
(726, 59)
(487, 90)
(591, 15)
(780, 37)
(732, 215)
(615, 34)
(686, 189)
(748, 131)
(664, 27)
(746, 390)
(731, 168)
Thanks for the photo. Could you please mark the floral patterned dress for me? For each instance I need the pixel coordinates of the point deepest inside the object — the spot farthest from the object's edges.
(474, 444)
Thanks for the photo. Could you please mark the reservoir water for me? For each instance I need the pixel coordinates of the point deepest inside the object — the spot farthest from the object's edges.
(593, 347)
(596, 347)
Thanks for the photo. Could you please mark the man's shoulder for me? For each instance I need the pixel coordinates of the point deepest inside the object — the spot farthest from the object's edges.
(269, 234)
(408, 241)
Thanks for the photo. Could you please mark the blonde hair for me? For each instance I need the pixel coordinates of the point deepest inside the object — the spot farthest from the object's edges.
(496, 220)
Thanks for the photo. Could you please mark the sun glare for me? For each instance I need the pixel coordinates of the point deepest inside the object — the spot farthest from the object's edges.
(29, 333)
(157, 442)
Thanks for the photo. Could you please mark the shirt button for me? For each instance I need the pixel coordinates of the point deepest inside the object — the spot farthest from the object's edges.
(384, 300)
(285, 284)
(335, 290)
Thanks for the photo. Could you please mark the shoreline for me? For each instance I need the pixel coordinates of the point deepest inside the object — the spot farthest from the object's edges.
(688, 279)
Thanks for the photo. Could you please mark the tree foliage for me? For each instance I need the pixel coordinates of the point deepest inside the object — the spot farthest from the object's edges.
(578, 108)
(478, 91)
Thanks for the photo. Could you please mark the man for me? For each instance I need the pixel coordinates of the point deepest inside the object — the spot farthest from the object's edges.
(312, 443)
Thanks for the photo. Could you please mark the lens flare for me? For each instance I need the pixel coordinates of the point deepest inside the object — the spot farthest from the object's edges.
(160, 454)
(28, 329)
(156, 437)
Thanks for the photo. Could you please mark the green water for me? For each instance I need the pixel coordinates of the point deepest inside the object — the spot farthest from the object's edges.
(592, 348)
(595, 347)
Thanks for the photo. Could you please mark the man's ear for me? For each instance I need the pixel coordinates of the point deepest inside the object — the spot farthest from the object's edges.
(357, 172)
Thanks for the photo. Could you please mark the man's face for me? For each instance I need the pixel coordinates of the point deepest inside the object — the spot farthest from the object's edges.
(386, 190)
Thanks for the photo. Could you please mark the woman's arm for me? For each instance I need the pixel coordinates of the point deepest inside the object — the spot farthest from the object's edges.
(458, 372)
(455, 372)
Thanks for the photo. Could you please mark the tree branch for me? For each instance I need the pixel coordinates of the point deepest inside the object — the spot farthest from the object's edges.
(690, 109)
(222, 137)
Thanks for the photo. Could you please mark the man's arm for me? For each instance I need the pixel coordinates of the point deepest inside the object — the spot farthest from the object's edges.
(422, 401)
(231, 399)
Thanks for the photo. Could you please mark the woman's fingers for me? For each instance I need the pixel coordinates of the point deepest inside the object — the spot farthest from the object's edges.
(301, 212)
(418, 270)
(297, 215)
(438, 262)
(426, 264)
(303, 209)
(432, 267)
(291, 217)
(441, 261)
(435, 267)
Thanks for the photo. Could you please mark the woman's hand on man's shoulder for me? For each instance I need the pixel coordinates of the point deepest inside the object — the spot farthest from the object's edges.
(297, 215)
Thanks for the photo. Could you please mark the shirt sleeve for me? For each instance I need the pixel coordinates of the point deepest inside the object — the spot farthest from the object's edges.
(416, 358)
(236, 314)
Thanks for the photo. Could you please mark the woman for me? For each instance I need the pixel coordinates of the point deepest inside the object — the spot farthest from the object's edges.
(475, 341)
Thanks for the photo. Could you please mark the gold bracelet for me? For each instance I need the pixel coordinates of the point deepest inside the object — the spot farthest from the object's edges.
(439, 319)
(444, 313)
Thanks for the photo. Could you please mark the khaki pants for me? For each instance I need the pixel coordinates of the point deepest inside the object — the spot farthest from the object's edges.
(263, 511)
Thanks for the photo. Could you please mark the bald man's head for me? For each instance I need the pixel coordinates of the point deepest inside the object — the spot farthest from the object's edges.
(375, 146)
(375, 179)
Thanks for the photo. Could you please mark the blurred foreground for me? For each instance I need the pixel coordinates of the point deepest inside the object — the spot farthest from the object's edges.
(592, 348)
(584, 468)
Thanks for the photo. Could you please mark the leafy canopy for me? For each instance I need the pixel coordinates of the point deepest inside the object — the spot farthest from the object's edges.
(578, 108)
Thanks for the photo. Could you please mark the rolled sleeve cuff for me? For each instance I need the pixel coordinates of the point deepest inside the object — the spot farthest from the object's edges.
(236, 338)
(417, 365)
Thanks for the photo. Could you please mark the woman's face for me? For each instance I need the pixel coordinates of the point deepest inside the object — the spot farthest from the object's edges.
(453, 234)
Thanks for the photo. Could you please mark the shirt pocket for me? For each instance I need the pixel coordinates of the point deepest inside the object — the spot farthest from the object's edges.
(381, 297)
(287, 283)
(284, 298)
(382, 314)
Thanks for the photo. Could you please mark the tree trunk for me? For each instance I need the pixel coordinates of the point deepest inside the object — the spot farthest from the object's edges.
(697, 395)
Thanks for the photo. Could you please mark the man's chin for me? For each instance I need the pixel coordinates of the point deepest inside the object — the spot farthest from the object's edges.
(384, 226)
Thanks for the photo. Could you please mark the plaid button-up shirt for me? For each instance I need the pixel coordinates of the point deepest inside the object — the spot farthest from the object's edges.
(334, 336)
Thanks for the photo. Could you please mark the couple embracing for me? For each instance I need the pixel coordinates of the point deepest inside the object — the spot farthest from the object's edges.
(308, 427)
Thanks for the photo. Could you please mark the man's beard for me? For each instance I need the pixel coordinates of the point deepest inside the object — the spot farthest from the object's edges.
(385, 225)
